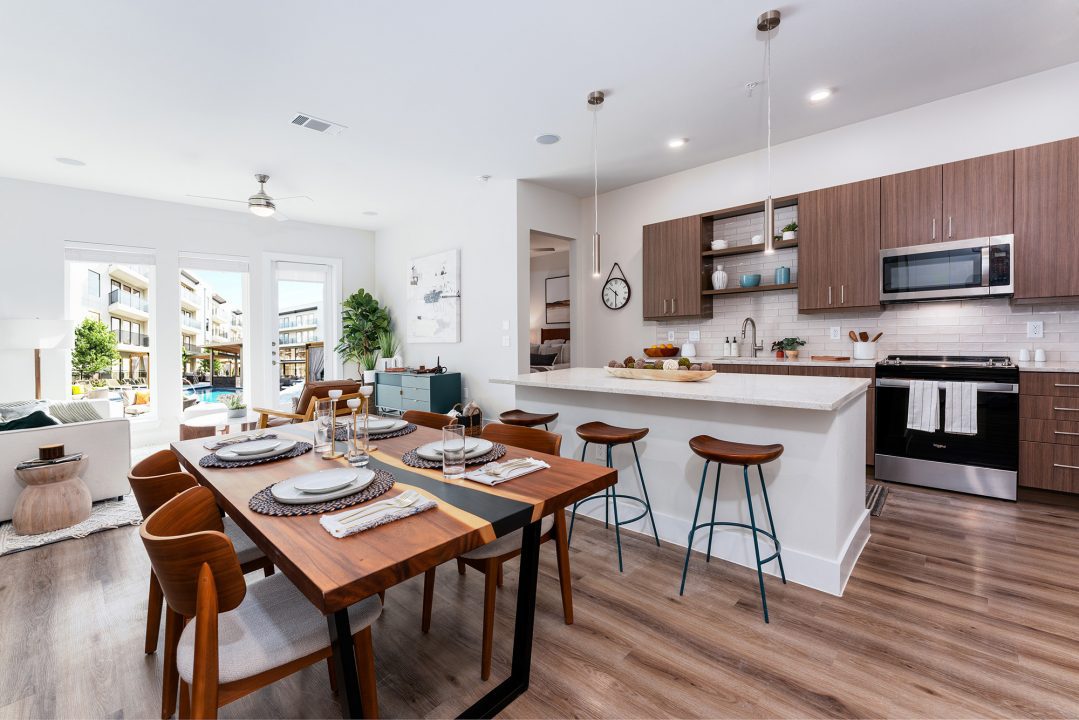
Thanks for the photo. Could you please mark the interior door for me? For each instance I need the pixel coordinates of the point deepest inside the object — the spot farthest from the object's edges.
(978, 196)
(911, 208)
(304, 313)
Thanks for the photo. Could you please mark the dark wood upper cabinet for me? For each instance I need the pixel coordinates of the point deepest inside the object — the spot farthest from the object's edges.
(979, 196)
(1046, 213)
(673, 270)
(838, 247)
(911, 208)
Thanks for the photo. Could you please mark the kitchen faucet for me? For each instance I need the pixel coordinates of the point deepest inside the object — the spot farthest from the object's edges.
(752, 338)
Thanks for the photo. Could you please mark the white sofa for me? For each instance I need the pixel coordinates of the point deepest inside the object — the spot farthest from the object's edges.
(107, 444)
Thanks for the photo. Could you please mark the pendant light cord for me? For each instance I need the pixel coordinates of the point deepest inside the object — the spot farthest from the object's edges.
(595, 165)
(768, 88)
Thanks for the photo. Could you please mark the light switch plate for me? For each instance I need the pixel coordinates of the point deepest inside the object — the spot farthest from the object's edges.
(694, 335)
(1035, 329)
(505, 324)
(670, 336)
(834, 332)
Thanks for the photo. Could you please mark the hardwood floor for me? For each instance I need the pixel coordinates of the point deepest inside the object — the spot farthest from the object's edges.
(960, 607)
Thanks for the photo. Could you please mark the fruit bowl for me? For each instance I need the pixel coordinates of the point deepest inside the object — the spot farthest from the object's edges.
(660, 351)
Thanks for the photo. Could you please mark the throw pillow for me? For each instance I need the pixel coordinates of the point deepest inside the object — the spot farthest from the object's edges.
(20, 408)
(36, 419)
(73, 412)
(142, 397)
(542, 359)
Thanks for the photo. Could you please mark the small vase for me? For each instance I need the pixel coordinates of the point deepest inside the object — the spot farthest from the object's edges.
(237, 412)
(779, 354)
(719, 278)
(783, 275)
(791, 354)
(789, 235)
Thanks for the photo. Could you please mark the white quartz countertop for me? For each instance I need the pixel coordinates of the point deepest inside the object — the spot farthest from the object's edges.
(773, 360)
(1049, 366)
(789, 391)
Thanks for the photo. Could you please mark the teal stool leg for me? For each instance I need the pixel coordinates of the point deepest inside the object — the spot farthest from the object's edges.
(614, 504)
(756, 543)
(644, 490)
(715, 501)
(771, 524)
(573, 514)
(693, 529)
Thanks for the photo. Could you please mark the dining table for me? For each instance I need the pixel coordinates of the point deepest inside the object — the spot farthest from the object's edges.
(335, 573)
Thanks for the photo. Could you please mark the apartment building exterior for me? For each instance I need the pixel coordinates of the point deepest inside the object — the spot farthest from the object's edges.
(298, 335)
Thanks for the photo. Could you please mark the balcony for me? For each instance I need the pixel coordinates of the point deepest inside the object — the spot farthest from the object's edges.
(286, 341)
(189, 324)
(125, 304)
(296, 325)
(126, 339)
(129, 275)
(188, 299)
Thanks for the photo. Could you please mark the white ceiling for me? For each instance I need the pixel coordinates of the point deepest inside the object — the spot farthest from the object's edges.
(542, 243)
(165, 99)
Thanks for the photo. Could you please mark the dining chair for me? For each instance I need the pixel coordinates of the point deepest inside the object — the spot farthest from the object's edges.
(489, 558)
(435, 421)
(304, 408)
(154, 481)
(229, 638)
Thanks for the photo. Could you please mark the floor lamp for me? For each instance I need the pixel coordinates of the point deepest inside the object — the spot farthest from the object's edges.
(37, 335)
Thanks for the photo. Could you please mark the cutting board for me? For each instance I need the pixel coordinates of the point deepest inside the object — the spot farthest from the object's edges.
(670, 375)
(830, 358)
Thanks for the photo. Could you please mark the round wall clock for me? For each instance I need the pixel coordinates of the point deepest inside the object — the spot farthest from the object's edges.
(615, 293)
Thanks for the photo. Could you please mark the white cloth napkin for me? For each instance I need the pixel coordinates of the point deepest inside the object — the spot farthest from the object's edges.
(961, 408)
(923, 406)
(481, 475)
(332, 525)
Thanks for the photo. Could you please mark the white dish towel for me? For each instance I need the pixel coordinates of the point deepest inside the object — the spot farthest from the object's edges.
(331, 524)
(923, 406)
(961, 408)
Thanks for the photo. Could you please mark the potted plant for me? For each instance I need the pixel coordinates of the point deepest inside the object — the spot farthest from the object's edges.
(237, 408)
(368, 360)
(790, 231)
(362, 319)
(789, 347)
(99, 391)
(388, 345)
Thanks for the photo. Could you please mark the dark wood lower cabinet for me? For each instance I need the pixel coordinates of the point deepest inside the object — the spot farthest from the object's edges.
(1049, 431)
(753, 369)
(1049, 466)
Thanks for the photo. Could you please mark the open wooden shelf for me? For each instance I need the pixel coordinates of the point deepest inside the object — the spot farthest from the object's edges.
(748, 249)
(759, 288)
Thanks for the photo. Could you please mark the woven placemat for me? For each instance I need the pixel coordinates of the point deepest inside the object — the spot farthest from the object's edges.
(212, 461)
(410, 428)
(414, 460)
(263, 501)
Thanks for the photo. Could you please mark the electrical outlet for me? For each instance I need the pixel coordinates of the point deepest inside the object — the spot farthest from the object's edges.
(505, 341)
(694, 335)
(833, 332)
(1035, 329)
(670, 336)
(599, 452)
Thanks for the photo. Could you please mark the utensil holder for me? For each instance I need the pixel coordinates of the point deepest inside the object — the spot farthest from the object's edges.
(865, 350)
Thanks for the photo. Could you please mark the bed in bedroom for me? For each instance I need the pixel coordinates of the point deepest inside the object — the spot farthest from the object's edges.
(552, 352)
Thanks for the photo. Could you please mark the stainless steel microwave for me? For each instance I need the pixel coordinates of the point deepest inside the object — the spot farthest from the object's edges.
(955, 269)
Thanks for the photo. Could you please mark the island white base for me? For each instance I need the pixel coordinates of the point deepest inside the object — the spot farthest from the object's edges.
(816, 489)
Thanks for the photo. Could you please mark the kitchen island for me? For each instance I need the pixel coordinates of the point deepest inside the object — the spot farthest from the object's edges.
(817, 488)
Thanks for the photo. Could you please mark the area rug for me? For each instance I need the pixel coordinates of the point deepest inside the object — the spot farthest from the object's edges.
(106, 515)
(875, 497)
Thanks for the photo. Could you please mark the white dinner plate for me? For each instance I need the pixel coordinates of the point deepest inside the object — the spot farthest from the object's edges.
(388, 426)
(324, 481)
(474, 447)
(381, 424)
(254, 447)
(229, 453)
(286, 491)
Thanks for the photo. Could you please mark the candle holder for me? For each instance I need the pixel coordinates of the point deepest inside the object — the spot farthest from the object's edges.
(332, 452)
(365, 391)
(358, 454)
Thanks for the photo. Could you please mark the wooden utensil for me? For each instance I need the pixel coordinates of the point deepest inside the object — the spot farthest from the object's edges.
(876, 337)
(863, 336)
(852, 336)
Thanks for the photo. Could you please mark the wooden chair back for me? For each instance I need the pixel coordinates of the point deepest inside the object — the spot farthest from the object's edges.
(161, 462)
(523, 437)
(342, 405)
(321, 389)
(158, 479)
(181, 536)
(432, 420)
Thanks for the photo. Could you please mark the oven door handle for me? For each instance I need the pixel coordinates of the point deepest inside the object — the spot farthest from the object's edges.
(989, 387)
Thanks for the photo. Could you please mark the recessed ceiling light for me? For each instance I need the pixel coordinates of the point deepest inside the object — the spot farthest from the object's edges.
(370, 213)
(547, 139)
(483, 178)
(70, 161)
(677, 142)
(820, 95)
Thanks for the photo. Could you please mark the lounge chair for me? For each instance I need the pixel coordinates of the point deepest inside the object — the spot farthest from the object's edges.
(304, 408)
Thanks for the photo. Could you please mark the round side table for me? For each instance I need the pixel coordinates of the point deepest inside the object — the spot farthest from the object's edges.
(55, 497)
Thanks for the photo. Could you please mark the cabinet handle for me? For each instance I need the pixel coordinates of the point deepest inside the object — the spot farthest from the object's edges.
(842, 294)
(1066, 467)
(934, 229)
(664, 306)
(674, 306)
(949, 226)
(1066, 409)
(1065, 384)
(1064, 432)
(829, 294)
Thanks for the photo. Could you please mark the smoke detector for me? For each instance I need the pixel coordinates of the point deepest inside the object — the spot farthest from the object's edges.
(326, 127)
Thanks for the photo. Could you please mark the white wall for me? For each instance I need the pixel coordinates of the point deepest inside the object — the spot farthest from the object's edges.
(542, 267)
(36, 220)
(1031, 110)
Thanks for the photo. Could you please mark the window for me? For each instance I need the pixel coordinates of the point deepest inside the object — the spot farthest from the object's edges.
(93, 284)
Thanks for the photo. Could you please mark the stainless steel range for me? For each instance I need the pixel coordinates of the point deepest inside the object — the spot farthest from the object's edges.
(982, 463)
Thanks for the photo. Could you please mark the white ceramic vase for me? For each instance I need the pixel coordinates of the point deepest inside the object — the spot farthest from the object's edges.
(789, 235)
(719, 278)
(369, 377)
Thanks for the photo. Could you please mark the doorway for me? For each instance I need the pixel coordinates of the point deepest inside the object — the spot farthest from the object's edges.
(550, 310)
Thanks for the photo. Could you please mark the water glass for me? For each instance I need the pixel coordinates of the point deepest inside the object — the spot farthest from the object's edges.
(357, 454)
(324, 425)
(453, 451)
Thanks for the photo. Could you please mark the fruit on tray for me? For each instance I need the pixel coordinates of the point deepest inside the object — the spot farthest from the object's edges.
(665, 350)
(670, 364)
(684, 362)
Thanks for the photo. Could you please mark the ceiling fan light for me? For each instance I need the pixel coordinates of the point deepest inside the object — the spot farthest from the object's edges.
(262, 208)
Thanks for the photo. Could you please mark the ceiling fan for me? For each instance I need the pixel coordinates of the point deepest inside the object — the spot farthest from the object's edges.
(260, 203)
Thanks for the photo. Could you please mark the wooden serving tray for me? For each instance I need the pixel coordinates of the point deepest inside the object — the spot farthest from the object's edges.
(830, 358)
(669, 375)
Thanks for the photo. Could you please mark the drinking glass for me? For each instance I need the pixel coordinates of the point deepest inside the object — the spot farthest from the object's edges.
(358, 454)
(453, 451)
(324, 426)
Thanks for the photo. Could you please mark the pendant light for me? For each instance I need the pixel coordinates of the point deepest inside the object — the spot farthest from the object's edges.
(595, 103)
(766, 23)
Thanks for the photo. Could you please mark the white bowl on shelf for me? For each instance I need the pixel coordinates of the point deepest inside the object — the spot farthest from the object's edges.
(719, 244)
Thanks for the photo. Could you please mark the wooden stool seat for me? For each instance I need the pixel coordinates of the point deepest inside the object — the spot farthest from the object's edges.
(734, 453)
(527, 419)
(603, 434)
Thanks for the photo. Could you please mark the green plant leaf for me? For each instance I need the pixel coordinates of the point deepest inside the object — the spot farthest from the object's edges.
(362, 321)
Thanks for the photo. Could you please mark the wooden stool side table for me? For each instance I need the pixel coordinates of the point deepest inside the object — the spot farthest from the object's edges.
(55, 497)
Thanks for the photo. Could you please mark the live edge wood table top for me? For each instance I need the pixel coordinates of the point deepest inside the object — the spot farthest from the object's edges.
(335, 573)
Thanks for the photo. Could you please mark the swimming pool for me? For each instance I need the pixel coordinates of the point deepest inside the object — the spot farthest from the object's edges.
(208, 394)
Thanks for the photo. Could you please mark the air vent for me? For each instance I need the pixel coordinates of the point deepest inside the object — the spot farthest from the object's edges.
(318, 125)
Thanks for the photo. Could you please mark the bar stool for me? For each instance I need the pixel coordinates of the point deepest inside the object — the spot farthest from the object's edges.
(611, 435)
(744, 454)
(527, 419)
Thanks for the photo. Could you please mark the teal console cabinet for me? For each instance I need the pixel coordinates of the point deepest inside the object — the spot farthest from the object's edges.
(398, 392)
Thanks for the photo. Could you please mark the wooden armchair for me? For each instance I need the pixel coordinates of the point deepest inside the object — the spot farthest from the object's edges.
(435, 421)
(306, 403)
(269, 628)
(489, 558)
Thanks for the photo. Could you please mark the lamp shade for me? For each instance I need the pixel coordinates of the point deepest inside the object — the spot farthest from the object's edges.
(35, 334)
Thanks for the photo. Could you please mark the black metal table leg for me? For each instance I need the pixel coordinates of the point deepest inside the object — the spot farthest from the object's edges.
(495, 701)
(344, 664)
